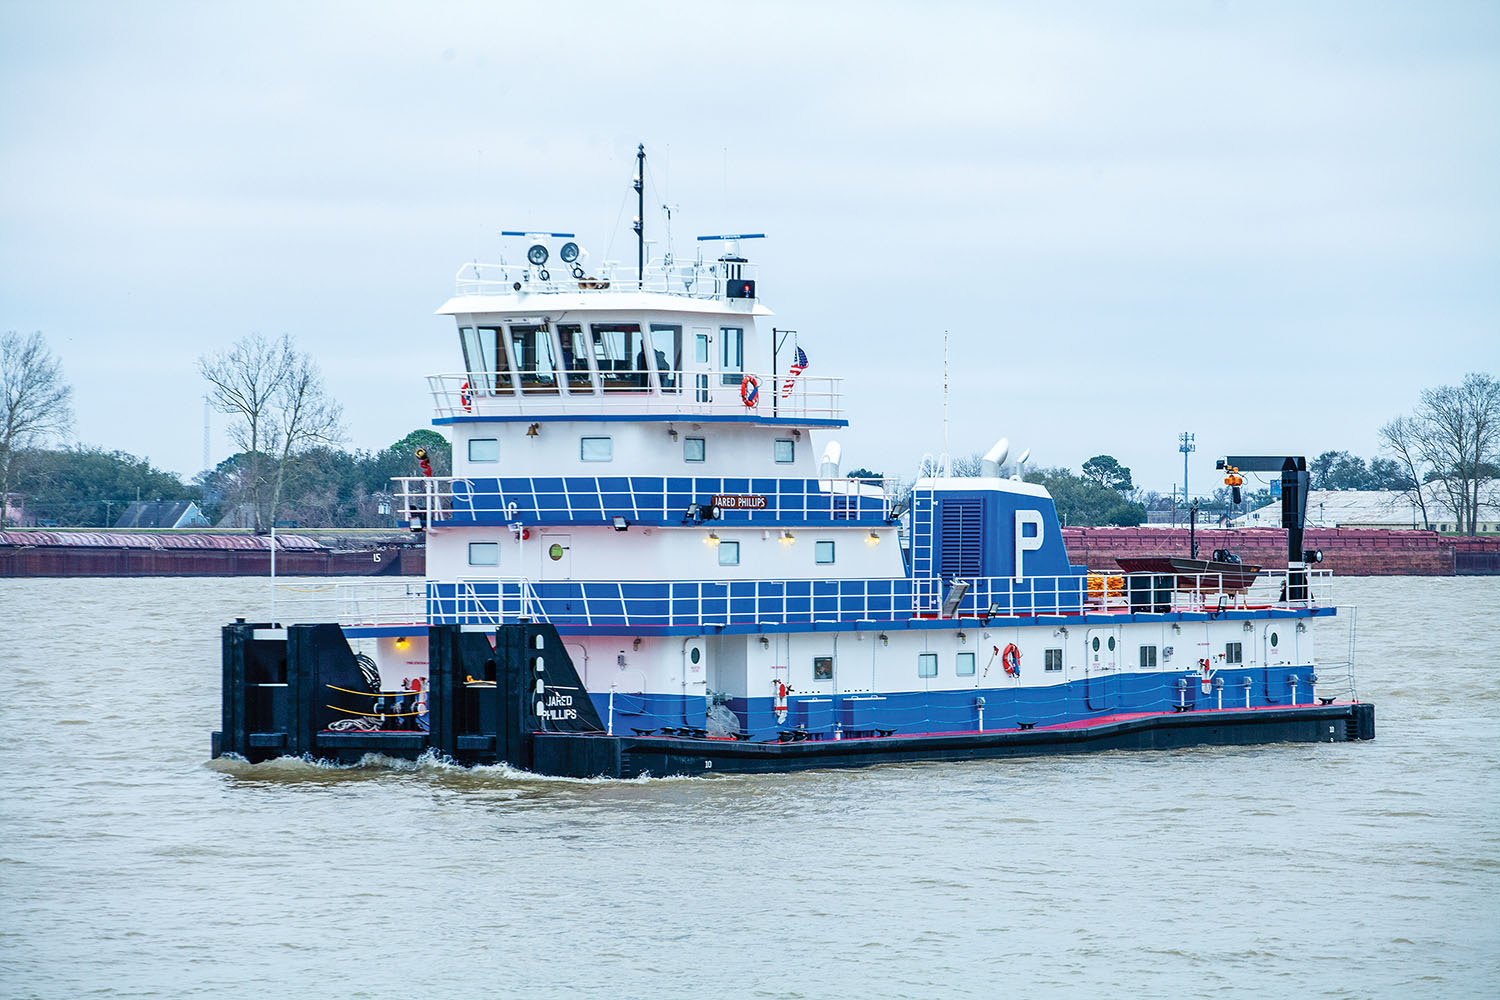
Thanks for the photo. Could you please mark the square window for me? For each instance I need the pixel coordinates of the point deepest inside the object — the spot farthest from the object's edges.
(926, 664)
(694, 449)
(596, 449)
(729, 553)
(1234, 652)
(1052, 659)
(822, 668)
(964, 666)
(484, 553)
(785, 452)
(1148, 656)
(484, 449)
(824, 553)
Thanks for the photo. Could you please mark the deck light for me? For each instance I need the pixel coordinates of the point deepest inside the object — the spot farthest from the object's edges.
(537, 254)
(787, 538)
(401, 642)
(621, 524)
(963, 637)
(885, 640)
(996, 610)
(712, 539)
(1061, 630)
(568, 252)
(874, 539)
(765, 643)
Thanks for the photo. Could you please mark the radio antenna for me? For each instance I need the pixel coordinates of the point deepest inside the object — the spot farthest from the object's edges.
(640, 215)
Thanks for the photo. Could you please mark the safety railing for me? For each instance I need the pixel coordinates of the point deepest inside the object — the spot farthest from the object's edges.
(703, 603)
(658, 500)
(626, 391)
(374, 602)
(692, 279)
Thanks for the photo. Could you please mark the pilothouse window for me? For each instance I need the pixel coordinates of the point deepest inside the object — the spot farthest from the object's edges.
(484, 360)
(575, 356)
(731, 354)
(531, 353)
(620, 354)
(666, 351)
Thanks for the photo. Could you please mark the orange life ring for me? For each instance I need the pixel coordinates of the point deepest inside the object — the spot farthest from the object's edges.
(464, 398)
(749, 390)
(1011, 660)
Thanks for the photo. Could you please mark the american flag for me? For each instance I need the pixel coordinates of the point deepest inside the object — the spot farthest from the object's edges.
(799, 365)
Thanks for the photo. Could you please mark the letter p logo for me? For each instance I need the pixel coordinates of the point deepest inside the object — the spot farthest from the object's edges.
(1027, 542)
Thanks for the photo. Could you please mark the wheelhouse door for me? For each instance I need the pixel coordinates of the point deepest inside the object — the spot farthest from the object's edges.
(702, 343)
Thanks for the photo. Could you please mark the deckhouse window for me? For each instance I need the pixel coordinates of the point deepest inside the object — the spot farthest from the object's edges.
(823, 553)
(694, 449)
(620, 354)
(666, 353)
(1148, 656)
(575, 356)
(596, 449)
(1052, 659)
(484, 553)
(822, 668)
(785, 451)
(729, 553)
(731, 354)
(964, 665)
(484, 450)
(926, 664)
(1234, 652)
(531, 354)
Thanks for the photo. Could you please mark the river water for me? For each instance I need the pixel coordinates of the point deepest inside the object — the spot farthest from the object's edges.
(131, 866)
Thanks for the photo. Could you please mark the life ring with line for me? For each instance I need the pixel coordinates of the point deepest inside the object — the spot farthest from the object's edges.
(464, 398)
(750, 390)
(1011, 660)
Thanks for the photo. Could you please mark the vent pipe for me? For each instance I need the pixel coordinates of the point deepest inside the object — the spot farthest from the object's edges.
(829, 468)
(989, 465)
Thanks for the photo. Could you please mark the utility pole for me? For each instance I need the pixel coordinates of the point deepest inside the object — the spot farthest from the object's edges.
(1186, 446)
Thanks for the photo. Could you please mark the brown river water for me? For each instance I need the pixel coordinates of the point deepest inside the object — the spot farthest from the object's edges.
(131, 866)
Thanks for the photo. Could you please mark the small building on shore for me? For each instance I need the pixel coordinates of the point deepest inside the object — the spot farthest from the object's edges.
(162, 514)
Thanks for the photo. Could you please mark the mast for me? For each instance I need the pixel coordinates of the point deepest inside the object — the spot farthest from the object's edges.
(640, 215)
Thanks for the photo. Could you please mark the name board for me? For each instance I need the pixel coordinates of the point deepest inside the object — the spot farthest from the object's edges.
(558, 708)
(739, 501)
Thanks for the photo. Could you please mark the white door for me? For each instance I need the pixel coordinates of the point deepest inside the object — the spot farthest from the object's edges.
(702, 363)
(557, 557)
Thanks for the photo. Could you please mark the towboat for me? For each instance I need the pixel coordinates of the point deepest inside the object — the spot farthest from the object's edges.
(649, 560)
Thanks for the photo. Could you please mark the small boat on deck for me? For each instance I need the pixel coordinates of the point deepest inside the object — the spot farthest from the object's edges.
(1218, 574)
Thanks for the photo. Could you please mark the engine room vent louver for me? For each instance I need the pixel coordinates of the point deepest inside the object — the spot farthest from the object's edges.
(961, 530)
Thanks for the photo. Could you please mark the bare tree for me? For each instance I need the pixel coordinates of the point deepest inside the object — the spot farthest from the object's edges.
(35, 402)
(279, 406)
(1453, 442)
(1403, 438)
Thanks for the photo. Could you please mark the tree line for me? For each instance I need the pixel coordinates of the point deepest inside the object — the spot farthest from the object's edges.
(289, 466)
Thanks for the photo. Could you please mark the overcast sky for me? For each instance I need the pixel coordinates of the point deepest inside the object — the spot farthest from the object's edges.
(1268, 223)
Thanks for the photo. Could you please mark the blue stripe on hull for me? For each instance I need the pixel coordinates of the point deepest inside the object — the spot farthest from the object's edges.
(914, 712)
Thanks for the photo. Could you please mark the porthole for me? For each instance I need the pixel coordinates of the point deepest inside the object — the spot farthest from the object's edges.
(555, 552)
(1096, 644)
(1111, 644)
(1274, 639)
(695, 654)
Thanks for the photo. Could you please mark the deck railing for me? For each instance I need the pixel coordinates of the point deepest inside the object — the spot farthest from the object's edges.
(635, 391)
(659, 500)
(708, 603)
(692, 279)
